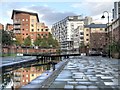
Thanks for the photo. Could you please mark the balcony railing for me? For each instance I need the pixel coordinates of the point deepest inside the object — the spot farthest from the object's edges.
(16, 27)
(17, 31)
(16, 22)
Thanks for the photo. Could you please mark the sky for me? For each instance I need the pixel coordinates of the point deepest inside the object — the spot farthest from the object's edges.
(51, 11)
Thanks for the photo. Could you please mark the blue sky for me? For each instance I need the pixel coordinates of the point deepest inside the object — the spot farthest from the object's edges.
(53, 11)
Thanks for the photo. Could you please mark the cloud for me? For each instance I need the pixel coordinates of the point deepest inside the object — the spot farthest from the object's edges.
(49, 15)
(94, 7)
(57, 16)
(98, 19)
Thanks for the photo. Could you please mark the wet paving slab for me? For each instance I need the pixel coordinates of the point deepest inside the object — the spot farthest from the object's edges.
(89, 73)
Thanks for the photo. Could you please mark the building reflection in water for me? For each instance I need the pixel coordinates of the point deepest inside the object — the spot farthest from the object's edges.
(23, 76)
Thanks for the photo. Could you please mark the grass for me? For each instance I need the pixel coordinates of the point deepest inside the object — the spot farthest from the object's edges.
(6, 55)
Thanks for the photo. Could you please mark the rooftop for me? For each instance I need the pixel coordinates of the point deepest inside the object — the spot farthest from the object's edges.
(96, 25)
(18, 11)
(71, 18)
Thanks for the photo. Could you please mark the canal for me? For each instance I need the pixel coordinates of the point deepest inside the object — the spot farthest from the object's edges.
(22, 76)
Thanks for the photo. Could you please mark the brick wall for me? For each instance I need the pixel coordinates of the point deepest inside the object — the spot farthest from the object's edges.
(27, 50)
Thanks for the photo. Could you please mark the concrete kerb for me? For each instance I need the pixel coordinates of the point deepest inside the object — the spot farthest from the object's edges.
(47, 82)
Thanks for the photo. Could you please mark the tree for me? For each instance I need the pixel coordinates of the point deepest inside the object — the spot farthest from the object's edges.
(115, 47)
(52, 42)
(6, 38)
(27, 41)
(38, 41)
(18, 40)
(46, 42)
(82, 45)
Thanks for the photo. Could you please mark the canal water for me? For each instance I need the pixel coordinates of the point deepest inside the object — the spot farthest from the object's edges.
(22, 76)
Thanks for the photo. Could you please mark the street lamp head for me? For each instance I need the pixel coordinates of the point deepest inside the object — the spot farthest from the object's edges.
(103, 16)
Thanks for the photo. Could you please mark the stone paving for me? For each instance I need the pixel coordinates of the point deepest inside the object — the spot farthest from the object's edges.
(89, 73)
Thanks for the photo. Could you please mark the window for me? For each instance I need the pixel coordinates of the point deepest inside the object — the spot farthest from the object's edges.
(87, 29)
(81, 33)
(106, 30)
(41, 29)
(26, 33)
(70, 17)
(32, 29)
(81, 37)
(26, 19)
(26, 80)
(32, 20)
(87, 39)
(22, 19)
(23, 75)
(46, 29)
(72, 25)
(26, 24)
(38, 29)
(101, 29)
(26, 75)
(26, 29)
(23, 29)
(38, 34)
(32, 74)
(32, 25)
(87, 34)
(23, 81)
(23, 34)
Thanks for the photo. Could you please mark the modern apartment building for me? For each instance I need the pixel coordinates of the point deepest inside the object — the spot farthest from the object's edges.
(95, 36)
(88, 20)
(27, 24)
(116, 10)
(1, 26)
(69, 32)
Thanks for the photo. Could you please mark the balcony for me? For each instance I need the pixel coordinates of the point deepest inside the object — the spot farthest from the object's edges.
(17, 22)
(16, 31)
(17, 27)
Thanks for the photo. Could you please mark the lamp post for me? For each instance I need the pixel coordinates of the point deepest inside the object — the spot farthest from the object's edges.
(103, 16)
(14, 46)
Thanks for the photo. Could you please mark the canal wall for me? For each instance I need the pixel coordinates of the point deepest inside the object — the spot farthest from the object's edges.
(45, 79)
(27, 50)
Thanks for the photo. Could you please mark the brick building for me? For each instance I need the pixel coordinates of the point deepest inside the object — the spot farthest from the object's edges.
(9, 27)
(95, 36)
(1, 26)
(23, 76)
(27, 24)
(114, 29)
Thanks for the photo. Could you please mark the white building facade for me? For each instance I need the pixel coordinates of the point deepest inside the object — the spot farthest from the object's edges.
(88, 20)
(116, 10)
(69, 33)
